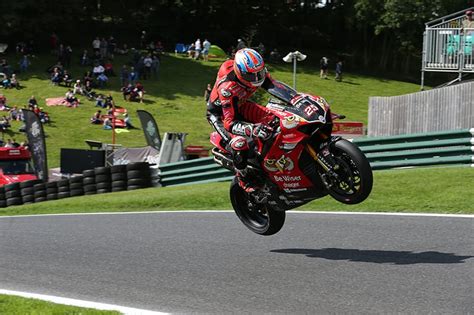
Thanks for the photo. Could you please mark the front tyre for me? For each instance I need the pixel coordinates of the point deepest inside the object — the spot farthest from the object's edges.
(259, 218)
(352, 182)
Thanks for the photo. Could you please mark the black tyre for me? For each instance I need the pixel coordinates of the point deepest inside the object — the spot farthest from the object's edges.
(139, 182)
(14, 201)
(52, 185)
(138, 166)
(103, 170)
(52, 196)
(40, 186)
(63, 189)
(118, 169)
(92, 192)
(28, 198)
(76, 179)
(118, 176)
(102, 178)
(138, 174)
(30, 183)
(88, 173)
(354, 180)
(89, 188)
(63, 183)
(103, 186)
(12, 187)
(88, 180)
(133, 187)
(77, 192)
(103, 191)
(40, 199)
(117, 189)
(40, 193)
(27, 191)
(259, 218)
(51, 190)
(12, 194)
(3, 203)
(2, 196)
(119, 183)
(73, 186)
(62, 195)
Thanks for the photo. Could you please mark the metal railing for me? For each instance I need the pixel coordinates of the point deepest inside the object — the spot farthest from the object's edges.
(448, 47)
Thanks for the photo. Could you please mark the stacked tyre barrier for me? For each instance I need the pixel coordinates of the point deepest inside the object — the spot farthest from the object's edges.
(97, 181)
(138, 175)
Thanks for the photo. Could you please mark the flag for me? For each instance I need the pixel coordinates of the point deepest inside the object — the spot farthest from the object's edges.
(36, 143)
(150, 129)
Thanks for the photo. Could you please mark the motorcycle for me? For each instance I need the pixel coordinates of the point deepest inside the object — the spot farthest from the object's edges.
(302, 161)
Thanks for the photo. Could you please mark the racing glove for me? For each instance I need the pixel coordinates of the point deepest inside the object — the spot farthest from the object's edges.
(262, 131)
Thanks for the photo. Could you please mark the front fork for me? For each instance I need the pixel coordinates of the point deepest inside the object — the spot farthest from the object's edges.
(325, 160)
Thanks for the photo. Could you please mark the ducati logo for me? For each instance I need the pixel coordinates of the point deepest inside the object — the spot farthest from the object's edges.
(290, 122)
(225, 93)
(282, 164)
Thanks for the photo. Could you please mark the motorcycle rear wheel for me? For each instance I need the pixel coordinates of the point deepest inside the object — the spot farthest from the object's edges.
(355, 180)
(259, 218)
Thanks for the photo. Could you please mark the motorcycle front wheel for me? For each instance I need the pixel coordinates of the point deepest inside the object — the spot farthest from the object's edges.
(354, 180)
(259, 218)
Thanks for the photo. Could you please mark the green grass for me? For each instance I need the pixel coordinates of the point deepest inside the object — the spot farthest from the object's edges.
(434, 190)
(176, 100)
(13, 305)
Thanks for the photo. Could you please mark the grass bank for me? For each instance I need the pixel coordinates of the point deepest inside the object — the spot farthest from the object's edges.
(434, 190)
(14, 305)
(175, 98)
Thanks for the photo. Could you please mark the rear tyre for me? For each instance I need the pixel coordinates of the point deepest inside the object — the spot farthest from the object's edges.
(259, 218)
(354, 174)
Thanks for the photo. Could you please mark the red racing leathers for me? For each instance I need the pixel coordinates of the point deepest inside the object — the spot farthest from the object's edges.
(230, 112)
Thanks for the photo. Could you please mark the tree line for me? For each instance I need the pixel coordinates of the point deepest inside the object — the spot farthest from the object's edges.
(374, 34)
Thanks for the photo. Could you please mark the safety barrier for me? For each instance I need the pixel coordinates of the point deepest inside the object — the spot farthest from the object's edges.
(411, 150)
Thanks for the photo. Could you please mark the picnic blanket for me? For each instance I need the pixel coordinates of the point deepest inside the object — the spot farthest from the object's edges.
(57, 101)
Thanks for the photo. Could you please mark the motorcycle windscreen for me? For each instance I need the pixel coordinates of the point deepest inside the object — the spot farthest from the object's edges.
(280, 90)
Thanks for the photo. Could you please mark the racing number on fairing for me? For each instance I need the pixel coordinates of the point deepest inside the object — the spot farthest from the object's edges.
(310, 110)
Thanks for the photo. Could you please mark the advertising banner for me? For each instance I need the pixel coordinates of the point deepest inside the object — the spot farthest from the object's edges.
(150, 129)
(37, 145)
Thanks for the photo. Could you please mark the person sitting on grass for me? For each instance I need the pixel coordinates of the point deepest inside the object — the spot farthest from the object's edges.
(77, 88)
(3, 103)
(97, 117)
(71, 99)
(126, 91)
(102, 80)
(100, 101)
(56, 76)
(32, 102)
(14, 83)
(14, 114)
(6, 83)
(137, 93)
(128, 122)
(107, 125)
(43, 116)
(67, 79)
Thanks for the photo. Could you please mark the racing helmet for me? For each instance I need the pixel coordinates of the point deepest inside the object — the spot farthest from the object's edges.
(249, 67)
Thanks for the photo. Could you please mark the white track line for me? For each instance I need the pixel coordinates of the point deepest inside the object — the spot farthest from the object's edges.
(470, 216)
(81, 303)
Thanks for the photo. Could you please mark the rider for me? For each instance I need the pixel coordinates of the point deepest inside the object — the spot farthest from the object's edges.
(233, 115)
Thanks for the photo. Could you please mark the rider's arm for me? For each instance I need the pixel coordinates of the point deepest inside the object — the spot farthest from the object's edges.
(229, 103)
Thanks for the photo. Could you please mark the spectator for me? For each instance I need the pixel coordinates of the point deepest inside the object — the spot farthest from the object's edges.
(77, 88)
(206, 45)
(100, 101)
(274, 55)
(147, 63)
(191, 50)
(14, 114)
(9, 143)
(126, 91)
(85, 61)
(155, 66)
(197, 49)
(97, 117)
(24, 63)
(468, 21)
(132, 76)
(67, 79)
(339, 71)
(103, 48)
(43, 116)
(4, 124)
(6, 83)
(124, 75)
(137, 93)
(88, 90)
(88, 78)
(323, 67)
(14, 83)
(67, 56)
(102, 80)
(112, 45)
(71, 99)
(109, 69)
(3, 102)
(128, 122)
(97, 70)
(107, 124)
(240, 44)
(56, 76)
(32, 102)
(109, 101)
(96, 44)
(207, 92)
(123, 50)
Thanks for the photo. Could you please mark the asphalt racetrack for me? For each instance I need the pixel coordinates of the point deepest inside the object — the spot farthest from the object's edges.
(208, 262)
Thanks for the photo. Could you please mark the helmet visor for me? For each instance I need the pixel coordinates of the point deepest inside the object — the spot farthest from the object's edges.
(255, 78)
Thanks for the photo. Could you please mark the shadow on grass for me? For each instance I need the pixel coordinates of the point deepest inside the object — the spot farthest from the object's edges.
(377, 256)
